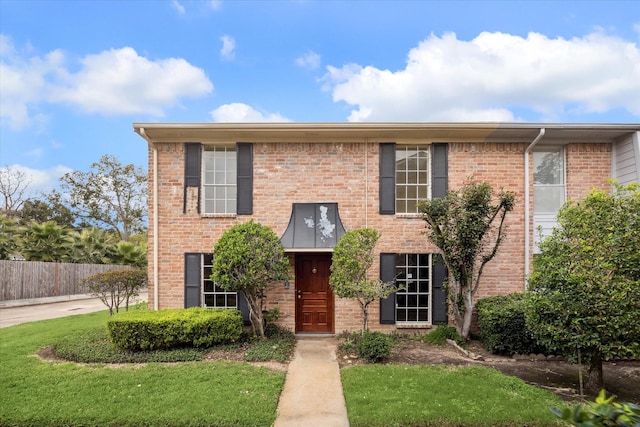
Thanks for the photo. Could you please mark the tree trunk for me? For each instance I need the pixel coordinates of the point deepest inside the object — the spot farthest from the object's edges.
(595, 379)
(255, 314)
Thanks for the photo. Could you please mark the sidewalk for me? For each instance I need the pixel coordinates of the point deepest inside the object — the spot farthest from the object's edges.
(23, 311)
(312, 394)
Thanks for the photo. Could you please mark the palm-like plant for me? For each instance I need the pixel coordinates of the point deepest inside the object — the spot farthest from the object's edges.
(127, 253)
(43, 242)
(7, 237)
(91, 246)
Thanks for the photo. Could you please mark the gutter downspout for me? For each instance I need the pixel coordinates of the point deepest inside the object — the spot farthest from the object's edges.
(155, 220)
(527, 214)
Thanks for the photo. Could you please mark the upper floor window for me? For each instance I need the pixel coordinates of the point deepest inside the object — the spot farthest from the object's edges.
(412, 177)
(219, 170)
(548, 179)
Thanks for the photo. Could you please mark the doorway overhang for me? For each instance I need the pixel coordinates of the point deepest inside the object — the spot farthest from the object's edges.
(313, 227)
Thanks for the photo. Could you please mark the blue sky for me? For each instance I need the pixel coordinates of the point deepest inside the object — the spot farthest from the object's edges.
(74, 75)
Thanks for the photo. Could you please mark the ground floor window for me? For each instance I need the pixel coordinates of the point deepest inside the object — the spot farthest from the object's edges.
(214, 296)
(413, 274)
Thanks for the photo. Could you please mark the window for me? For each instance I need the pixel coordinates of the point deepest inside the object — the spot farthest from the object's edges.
(413, 273)
(548, 180)
(219, 169)
(214, 296)
(412, 177)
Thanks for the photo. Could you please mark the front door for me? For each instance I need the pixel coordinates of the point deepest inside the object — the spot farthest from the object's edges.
(314, 299)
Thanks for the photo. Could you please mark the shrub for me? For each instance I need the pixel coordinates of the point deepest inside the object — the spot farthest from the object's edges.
(603, 412)
(441, 334)
(171, 328)
(374, 346)
(115, 287)
(503, 328)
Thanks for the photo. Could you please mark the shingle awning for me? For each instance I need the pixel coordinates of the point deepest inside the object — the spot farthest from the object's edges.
(313, 226)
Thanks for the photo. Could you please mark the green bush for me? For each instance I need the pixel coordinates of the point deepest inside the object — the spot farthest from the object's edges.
(601, 413)
(374, 346)
(503, 328)
(173, 328)
(441, 334)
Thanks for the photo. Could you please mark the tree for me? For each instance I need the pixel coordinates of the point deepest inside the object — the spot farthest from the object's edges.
(43, 210)
(248, 258)
(352, 258)
(585, 285)
(110, 195)
(43, 242)
(14, 185)
(8, 234)
(91, 246)
(461, 225)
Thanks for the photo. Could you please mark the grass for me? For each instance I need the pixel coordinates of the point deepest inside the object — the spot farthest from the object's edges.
(38, 393)
(404, 395)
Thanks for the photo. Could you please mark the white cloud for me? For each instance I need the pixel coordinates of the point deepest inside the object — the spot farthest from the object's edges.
(179, 7)
(228, 50)
(215, 4)
(243, 113)
(116, 81)
(446, 79)
(42, 180)
(309, 60)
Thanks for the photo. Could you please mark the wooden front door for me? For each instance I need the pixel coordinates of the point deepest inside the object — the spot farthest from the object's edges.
(314, 298)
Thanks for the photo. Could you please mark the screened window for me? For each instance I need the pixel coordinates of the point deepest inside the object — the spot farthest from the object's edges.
(548, 180)
(220, 179)
(412, 177)
(413, 302)
(214, 296)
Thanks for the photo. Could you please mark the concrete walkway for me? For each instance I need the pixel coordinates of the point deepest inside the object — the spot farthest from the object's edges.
(23, 311)
(312, 394)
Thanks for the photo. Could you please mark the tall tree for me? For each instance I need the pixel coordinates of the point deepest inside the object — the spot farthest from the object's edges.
(352, 258)
(248, 258)
(461, 225)
(14, 186)
(46, 209)
(585, 285)
(110, 195)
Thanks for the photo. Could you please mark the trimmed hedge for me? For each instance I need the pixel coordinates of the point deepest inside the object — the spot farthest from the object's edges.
(503, 329)
(174, 328)
(374, 346)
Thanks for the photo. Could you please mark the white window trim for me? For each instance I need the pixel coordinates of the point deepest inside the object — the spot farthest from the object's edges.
(427, 147)
(420, 323)
(203, 278)
(543, 149)
(204, 185)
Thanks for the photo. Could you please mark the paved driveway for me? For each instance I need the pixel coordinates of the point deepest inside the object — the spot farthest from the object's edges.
(30, 311)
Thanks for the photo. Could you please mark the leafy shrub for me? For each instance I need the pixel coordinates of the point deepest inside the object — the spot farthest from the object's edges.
(603, 412)
(115, 287)
(503, 329)
(374, 346)
(172, 328)
(441, 334)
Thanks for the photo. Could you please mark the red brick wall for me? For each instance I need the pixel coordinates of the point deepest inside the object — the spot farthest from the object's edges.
(286, 173)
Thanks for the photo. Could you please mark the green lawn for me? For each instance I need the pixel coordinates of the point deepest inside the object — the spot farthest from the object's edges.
(403, 395)
(37, 393)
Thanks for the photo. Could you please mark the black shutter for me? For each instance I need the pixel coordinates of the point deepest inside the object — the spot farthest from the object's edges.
(439, 171)
(192, 167)
(245, 178)
(387, 178)
(192, 279)
(439, 276)
(243, 306)
(388, 274)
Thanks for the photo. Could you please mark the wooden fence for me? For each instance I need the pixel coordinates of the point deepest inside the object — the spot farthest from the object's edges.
(31, 279)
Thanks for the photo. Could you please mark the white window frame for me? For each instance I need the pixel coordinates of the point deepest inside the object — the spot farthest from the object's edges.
(401, 204)
(205, 274)
(563, 185)
(230, 203)
(417, 293)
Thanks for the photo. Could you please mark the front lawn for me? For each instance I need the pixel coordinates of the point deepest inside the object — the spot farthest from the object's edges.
(440, 395)
(38, 393)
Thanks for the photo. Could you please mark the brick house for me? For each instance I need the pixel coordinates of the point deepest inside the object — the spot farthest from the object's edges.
(309, 182)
